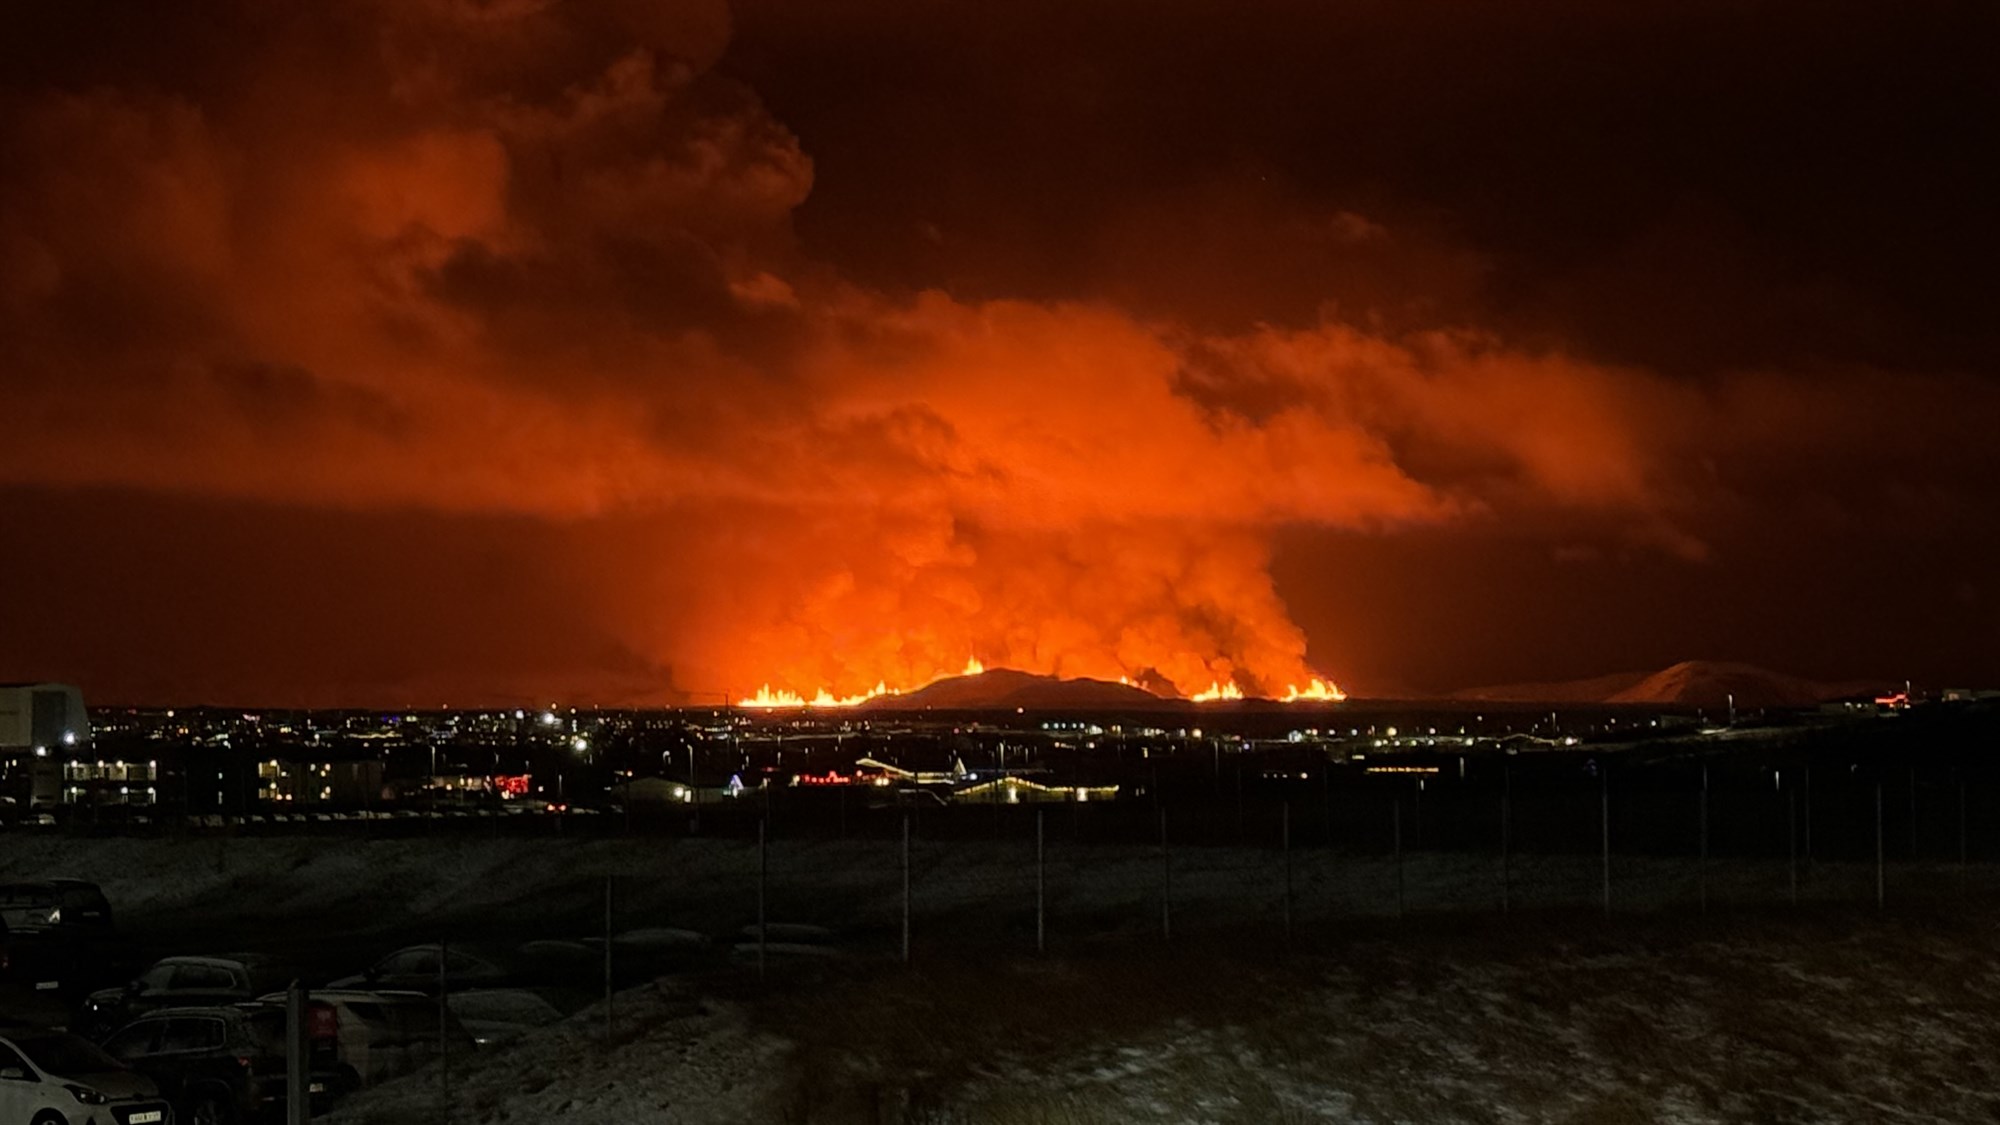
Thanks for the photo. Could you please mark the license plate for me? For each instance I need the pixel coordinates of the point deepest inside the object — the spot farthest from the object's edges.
(47, 985)
(148, 1116)
(316, 1088)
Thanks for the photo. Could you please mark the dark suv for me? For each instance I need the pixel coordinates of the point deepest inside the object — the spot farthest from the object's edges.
(40, 976)
(68, 906)
(178, 982)
(225, 1064)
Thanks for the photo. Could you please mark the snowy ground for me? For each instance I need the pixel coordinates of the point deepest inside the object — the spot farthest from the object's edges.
(1831, 1012)
(1836, 1018)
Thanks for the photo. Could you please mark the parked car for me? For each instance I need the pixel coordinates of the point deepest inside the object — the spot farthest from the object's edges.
(41, 976)
(493, 1016)
(385, 1034)
(225, 1064)
(31, 973)
(415, 969)
(54, 1078)
(59, 905)
(179, 982)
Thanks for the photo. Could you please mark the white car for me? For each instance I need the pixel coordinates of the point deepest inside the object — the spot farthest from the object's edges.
(55, 1078)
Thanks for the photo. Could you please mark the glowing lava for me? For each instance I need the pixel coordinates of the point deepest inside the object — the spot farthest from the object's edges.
(1316, 691)
(768, 699)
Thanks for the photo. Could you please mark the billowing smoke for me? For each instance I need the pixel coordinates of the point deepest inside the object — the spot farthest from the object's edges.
(538, 258)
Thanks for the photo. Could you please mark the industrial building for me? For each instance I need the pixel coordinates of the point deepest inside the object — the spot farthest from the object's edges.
(38, 723)
(44, 715)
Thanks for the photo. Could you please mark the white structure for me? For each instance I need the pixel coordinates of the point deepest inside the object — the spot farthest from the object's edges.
(44, 716)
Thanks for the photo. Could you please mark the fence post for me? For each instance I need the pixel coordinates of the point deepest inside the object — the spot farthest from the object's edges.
(1166, 882)
(1604, 822)
(1396, 836)
(1326, 795)
(1702, 867)
(906, 888)
(1808, 816)
(1792, 838)
(1285, 841)
(1913, 814)
(1962, 871)
(298, 1092)
(608, 1025)
(1506, 837)
(1239, 795)
(1879, 888)
(694, 790)
(444, 1038)
(763, 872)
(1041, 888)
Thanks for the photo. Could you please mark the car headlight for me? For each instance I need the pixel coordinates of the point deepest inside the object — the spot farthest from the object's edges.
(86, 1095)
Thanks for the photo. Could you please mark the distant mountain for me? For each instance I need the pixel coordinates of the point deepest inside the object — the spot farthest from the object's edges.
(1005, 689)
(1595, 690)
(1691, 683)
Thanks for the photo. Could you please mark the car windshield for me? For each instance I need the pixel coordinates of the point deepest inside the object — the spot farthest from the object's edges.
(66, 1055)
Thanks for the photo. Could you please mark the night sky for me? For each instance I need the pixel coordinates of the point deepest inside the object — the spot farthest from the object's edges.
(482, 351)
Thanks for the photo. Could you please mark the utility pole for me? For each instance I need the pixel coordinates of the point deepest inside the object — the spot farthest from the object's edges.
(608, 1025)
(298, 1068)
(1604, 779)
(1702, 869)
(1041, 888)
(906, 888)
(763, 871)
(1285, 841)
(1396, 836)
(1506, 831)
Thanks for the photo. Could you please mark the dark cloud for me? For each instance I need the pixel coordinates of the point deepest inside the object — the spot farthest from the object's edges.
(1813, 170)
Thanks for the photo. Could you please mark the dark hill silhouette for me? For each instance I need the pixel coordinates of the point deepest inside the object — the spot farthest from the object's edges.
(1006, 689)
(1691, 683)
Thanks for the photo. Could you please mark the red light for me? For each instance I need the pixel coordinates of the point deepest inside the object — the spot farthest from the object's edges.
(513, 785)
(322, 1022)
